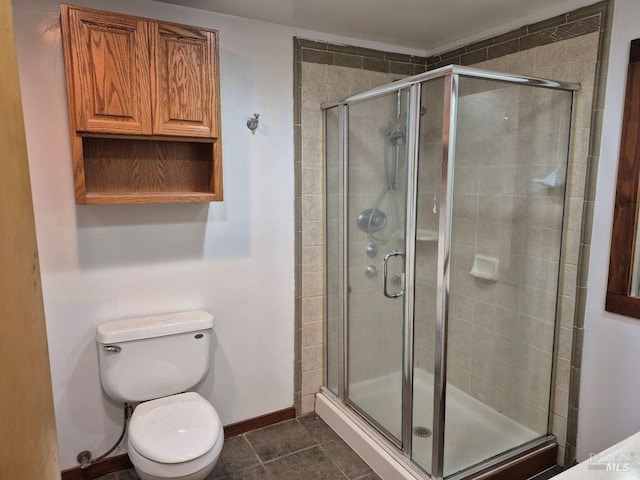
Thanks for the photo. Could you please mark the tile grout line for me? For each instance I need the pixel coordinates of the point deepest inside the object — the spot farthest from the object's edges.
(333, 463)
(263, 462)
(289, 454)
(317, 444)
(260, 462)
(321, 445)
(244, 435)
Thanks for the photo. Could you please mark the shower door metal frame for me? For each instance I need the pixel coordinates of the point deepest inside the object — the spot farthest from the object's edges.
(451, 75)
(344, 325)
(413, 146)
(449, 123)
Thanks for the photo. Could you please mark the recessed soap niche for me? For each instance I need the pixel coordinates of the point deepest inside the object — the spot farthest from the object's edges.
(485, 268)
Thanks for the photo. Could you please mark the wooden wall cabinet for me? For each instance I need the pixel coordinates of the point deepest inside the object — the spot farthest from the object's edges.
(144, 109)
(183, 83)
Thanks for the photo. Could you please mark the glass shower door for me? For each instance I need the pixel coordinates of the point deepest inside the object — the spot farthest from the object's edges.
(377, 183)
(508, 202)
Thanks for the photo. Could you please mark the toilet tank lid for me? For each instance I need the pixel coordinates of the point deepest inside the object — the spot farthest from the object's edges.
(151, 326)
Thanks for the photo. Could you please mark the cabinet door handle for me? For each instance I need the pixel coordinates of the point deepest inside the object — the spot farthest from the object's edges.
(400, 292)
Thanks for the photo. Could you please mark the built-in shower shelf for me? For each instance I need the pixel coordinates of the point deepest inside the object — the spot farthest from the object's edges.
(426, 235)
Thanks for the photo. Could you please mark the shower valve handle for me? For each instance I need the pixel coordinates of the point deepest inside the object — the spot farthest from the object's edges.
(400, 292)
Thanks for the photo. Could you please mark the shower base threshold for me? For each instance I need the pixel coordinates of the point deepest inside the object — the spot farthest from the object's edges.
(390, 464)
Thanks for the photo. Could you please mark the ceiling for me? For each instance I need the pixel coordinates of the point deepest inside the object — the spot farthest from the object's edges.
(427, 25)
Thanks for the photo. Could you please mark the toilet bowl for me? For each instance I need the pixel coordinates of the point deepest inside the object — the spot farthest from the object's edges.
(153, 360)
(178, 437)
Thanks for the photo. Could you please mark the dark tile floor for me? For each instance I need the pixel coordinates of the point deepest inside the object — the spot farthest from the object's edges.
(301, 449)
(305, 448)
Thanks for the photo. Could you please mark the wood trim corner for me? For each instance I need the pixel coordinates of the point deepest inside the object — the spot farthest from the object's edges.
(528, 465)
(259, 422)
(625, 216)
(622, 305)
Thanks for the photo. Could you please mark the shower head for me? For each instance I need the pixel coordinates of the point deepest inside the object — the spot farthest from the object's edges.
(372, 220)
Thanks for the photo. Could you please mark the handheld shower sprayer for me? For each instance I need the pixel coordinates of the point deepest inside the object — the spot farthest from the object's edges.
(380, 227)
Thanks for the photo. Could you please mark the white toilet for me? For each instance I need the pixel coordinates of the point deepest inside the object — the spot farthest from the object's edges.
(172, 435)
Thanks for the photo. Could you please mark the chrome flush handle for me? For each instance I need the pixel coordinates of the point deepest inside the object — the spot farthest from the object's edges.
(400, 292)
(112, 348)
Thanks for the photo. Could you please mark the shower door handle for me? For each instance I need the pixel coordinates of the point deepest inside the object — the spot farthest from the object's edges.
(400, 292)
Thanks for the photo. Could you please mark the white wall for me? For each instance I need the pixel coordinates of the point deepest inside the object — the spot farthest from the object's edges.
(610, 383)
(234, 259)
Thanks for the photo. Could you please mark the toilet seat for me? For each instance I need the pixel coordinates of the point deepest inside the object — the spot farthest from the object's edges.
(174, 429)
(196, 469)
(180, 433)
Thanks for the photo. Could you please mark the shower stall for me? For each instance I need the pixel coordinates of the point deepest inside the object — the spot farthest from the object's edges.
(445, 198)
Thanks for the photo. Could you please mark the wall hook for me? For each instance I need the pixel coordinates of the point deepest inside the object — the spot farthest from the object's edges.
(252, 123)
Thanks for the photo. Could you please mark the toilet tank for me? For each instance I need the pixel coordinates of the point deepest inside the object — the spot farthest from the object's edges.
(156, 356)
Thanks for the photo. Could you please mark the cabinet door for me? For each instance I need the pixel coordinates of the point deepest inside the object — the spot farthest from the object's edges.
(110, 67)
(185, 87)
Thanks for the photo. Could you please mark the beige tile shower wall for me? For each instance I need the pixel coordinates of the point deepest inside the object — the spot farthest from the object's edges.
(320, 83)
(571, 60)
(502, 331)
